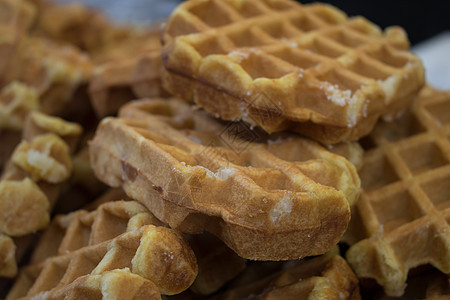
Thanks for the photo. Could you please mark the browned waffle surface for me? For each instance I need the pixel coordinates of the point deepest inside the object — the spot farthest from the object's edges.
(116, 284)
(25, 208)
(282, 65)
(402, 218)
(79, 229)
(268, 200)
(116, 237)
(325, 277)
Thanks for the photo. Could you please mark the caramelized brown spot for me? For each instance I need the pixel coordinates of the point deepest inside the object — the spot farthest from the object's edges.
(157, 188)
(129, 170)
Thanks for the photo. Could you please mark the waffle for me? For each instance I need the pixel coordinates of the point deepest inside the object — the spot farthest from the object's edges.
(68, 233)
(118, 235)
(325, 277)
(272, 199)
(402, 218)
(282, 65)
(24, 207)
(46, 158)
(115, 284)
(129, 72)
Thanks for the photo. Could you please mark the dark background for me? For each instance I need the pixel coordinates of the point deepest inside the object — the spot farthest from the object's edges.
(420, 19)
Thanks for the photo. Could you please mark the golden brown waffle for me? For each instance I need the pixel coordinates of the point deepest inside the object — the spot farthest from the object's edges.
(129, 72)
(115, 284)
(114, 237)
(81, 228)
(282, 65)
(269, 200)
(402, 218)
(325, 277)
(46, 142)
(45, 158)
(24, 207)
(24, 210)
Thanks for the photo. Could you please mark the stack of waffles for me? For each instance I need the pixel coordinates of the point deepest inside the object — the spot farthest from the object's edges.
(274, 150)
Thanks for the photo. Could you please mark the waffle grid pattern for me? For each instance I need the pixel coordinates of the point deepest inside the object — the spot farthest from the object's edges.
(114, 237)
(405, 206)
(80, 229)
(351, 68)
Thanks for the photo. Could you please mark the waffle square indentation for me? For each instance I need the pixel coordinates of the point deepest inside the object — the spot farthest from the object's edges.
(377, 172)
(212, 13)
(280, 5)
(423, 157)
(440, 112)
(297, 58)
(389, 57)
(438, 191)
(395, 210)
(407, 126)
